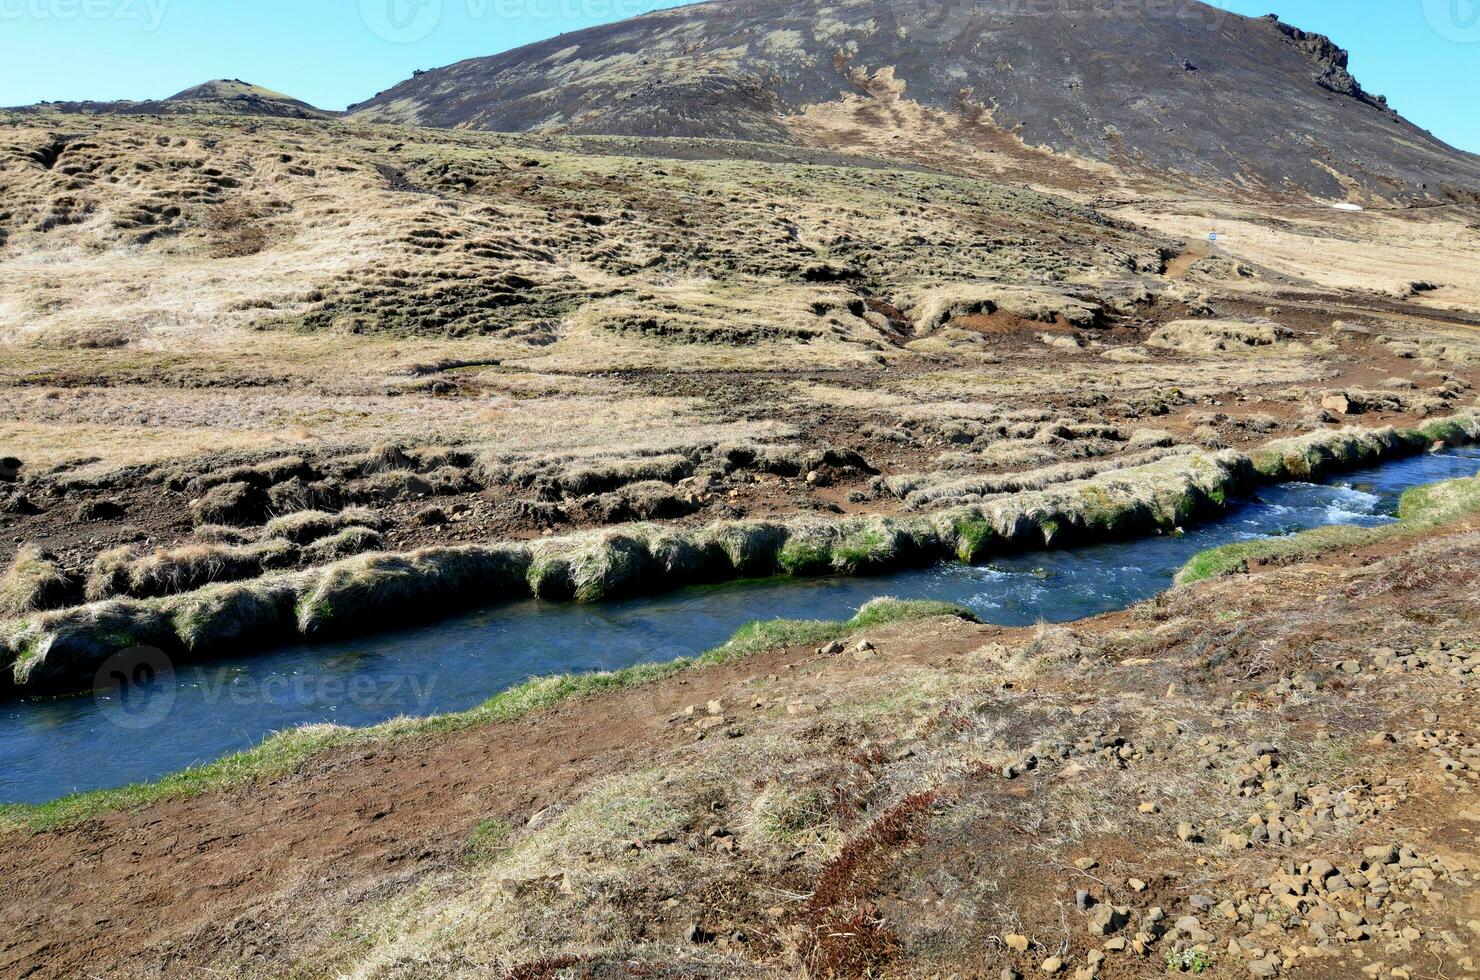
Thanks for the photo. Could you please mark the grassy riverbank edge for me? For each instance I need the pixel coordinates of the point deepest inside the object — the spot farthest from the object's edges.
(1420, 510)
(286, 751)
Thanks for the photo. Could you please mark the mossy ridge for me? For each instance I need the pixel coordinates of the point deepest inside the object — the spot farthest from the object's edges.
(1317, 454)
(377, 590)
(1420, 510)
(286, 751)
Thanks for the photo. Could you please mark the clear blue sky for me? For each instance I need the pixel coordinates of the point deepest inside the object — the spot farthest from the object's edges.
(1423, 54)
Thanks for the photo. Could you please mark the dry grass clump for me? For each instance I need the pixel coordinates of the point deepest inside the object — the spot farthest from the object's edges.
(221, 534)
(390, 486)
(121, 572)
(378, 588)
(237, 504)
(593, 478)
(238, 230)
(925, 491)
(933, 306)
(344, 544)
(386, 457)
(1440, 347)
(33, 582)
(306, 527)
(557, 475)
(1150, 439)
(787, 460)
(296, 494)
(61, 650)
(1218, 336)
(236, 615)
(261, 475)
(647, 501)
(784, 814)
(642, 480)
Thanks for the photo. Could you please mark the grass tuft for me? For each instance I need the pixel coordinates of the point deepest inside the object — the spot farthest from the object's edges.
(33, 582)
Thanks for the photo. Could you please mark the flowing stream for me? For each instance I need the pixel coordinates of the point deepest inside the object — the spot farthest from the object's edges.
(200, 712)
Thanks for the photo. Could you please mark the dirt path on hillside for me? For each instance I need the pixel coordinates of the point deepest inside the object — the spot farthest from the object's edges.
(1179, 266)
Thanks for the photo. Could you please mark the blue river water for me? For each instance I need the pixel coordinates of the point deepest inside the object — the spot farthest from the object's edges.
(200, 712)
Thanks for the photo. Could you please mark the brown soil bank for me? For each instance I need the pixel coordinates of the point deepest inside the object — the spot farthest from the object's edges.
(1271, 775)
(61, 651)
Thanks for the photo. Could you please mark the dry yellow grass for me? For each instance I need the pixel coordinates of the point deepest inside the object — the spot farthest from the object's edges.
(1378, 251)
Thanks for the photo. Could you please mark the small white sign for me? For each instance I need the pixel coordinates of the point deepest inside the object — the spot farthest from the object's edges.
(1212, 236)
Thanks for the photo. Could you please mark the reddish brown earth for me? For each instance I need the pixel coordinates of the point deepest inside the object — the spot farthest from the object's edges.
(222, 881)
(170, 887)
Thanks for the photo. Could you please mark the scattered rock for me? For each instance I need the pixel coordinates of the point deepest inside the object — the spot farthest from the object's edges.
(99, 510)
(1106, 919)
(1337, 402)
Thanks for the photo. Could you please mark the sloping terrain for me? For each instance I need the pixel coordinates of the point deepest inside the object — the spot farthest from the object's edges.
(255, 370)
(1273, 775)
(238, 348)
(231, 97)
(1175, 90)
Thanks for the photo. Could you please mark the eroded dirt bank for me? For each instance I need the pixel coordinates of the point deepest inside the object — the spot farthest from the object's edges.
(1265, 775)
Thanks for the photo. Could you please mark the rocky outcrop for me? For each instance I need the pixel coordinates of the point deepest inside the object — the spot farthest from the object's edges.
(1332, 63)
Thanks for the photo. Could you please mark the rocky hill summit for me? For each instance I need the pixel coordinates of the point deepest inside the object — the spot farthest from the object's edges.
(223, 96)
(1174, 88)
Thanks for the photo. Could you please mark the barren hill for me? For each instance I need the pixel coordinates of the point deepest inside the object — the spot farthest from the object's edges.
(223, 96)
(1175, 88)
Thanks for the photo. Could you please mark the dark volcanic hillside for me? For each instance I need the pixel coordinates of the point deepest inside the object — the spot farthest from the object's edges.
(1166, 86)
(224, 96)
